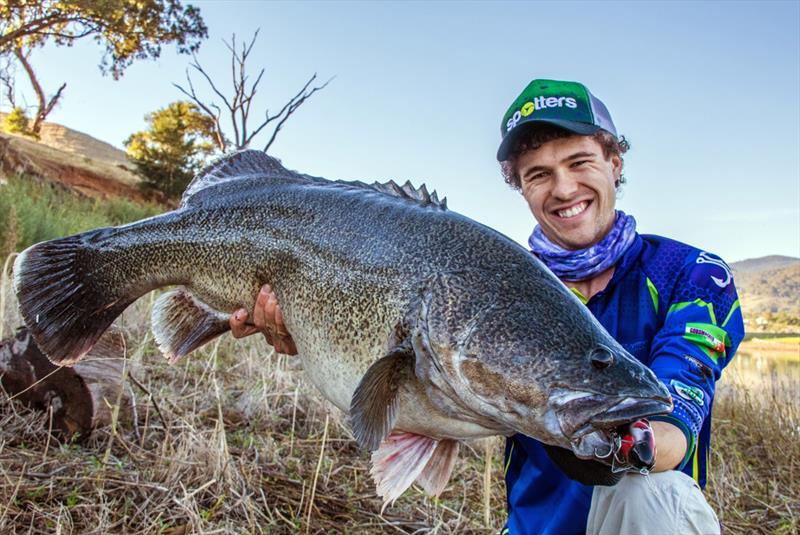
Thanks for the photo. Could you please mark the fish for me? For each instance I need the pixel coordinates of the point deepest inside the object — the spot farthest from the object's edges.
(424, 326)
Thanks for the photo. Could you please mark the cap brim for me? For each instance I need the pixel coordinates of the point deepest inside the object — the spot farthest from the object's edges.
(507, 144)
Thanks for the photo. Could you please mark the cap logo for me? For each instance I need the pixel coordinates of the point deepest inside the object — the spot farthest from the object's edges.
(539, 103)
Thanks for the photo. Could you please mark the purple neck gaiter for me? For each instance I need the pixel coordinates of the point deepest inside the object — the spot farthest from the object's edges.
(585, 263)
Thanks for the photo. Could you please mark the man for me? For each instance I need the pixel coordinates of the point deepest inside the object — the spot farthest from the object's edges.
(672, 306)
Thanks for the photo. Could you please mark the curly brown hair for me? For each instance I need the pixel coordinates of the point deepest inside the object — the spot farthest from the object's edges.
(534, 138)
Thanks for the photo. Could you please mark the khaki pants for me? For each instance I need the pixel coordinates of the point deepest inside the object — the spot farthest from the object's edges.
(666, 502)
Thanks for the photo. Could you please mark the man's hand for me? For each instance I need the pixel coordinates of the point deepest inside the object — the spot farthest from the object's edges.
(267, 319)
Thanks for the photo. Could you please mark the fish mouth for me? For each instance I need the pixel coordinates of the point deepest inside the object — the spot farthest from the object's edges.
(590, 421)
(629, 410)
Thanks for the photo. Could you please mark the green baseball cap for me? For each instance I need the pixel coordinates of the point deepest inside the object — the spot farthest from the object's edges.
(568, 105)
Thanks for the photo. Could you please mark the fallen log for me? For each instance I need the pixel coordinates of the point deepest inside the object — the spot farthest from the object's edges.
(81, 397)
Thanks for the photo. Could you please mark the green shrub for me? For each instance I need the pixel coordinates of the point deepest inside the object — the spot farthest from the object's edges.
(17, 122)
(174, 147)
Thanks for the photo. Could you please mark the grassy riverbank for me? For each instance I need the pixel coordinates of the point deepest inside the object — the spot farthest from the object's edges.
(233, 440)
(33, 210)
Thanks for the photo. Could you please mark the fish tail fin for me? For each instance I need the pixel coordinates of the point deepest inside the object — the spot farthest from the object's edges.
(181, 323)
(65, 297)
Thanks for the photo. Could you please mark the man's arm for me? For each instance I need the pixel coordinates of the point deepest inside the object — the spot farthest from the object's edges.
(701, 331)
(670, 446)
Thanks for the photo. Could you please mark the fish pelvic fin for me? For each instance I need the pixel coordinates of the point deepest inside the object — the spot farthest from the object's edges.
(65, 307)
(434, 477)
(398, 461)
(373, 408)
(181, 323)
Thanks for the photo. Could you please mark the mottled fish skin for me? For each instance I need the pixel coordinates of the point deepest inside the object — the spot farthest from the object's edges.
(358, 271)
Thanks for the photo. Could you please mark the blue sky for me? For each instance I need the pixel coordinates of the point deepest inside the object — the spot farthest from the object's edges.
(707, 93)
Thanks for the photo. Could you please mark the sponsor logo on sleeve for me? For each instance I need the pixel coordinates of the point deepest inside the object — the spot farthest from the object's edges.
(690, 393)
(711, 341)
(702, 368)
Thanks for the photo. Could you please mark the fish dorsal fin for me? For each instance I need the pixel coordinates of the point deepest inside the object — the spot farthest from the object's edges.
(235, 166)
(408, 191)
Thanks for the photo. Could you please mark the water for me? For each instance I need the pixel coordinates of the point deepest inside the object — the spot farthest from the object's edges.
(763, 365)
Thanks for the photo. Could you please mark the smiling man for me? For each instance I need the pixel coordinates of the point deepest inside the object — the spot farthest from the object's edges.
(672, 306)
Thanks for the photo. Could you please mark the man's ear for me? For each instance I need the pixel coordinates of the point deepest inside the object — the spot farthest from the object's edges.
(616, 168)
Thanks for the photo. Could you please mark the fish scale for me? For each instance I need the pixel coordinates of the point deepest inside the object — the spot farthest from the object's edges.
(415, 320)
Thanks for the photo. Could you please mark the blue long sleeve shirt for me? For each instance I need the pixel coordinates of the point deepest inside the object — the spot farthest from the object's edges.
(673, 307)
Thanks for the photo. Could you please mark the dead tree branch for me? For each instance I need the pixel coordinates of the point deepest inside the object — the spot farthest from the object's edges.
(45, 106)
(239, 102)
(219, 136)
(290, 108)
(7, 81)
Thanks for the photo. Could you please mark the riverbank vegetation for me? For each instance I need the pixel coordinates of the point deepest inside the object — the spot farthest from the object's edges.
(233, 439)
(36, 210)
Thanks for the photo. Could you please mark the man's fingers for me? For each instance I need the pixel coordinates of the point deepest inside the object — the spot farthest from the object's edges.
(280, 326)
(267, 319)
(260, 317)
(238, 323)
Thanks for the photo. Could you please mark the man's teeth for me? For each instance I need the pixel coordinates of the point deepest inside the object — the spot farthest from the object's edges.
(573, 210)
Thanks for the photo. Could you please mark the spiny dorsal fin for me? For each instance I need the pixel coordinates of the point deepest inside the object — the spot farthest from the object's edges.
(407, 191)
(249, 163)
(235, 166)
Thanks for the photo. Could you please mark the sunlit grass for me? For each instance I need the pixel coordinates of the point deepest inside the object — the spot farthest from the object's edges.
(32, 211)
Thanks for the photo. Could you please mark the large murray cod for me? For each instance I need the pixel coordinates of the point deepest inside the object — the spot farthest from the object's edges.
(423, 325)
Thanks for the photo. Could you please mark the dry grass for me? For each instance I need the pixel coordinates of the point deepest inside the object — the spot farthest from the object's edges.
(241, 448)
(233, 440)
(755, 454)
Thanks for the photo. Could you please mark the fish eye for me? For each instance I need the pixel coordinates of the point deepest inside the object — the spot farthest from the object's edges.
(602, 358)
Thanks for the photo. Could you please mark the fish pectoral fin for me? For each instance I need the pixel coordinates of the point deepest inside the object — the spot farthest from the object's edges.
(399, 460)
(373, 408)
(434, 477)
(181, 323)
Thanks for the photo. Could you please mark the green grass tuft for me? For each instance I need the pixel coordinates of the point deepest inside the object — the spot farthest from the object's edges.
(32, 211)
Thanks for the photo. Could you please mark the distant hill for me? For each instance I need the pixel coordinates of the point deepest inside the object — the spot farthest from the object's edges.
(74, 160)
(769, 291)
(752, 265)
(68, 140)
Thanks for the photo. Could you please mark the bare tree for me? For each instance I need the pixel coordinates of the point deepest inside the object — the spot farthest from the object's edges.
(45, 105)
(7, 81)
(237, 106)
